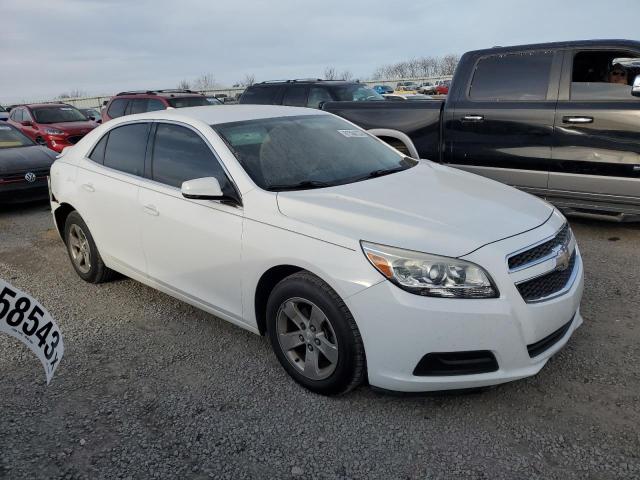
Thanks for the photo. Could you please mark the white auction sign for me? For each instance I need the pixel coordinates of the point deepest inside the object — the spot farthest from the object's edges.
(22, 317)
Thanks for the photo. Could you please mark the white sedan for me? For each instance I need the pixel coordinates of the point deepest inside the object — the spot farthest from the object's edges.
(357, 262)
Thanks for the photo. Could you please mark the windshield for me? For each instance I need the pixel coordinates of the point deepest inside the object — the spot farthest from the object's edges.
(311, 151)
(354, 93)
(58, 115)
(182, 102)
(11, 138)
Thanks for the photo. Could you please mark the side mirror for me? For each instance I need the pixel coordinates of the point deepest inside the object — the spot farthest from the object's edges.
(207, 188)
(635, 90)
(26, 123)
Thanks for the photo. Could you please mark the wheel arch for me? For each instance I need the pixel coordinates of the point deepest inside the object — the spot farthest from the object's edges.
(60, 215)
(386, 133)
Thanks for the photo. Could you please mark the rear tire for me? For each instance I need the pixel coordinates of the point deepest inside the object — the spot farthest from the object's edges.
(83, 253)
(314, 336)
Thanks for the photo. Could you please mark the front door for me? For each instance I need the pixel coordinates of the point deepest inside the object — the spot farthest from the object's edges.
(502, 125)
(596, 153)
(192, 247)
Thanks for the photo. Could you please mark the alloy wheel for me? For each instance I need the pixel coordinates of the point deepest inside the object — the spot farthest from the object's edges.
(79, 249)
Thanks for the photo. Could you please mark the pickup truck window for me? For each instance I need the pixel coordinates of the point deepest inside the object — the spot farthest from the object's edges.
(520, 76)
(603, 75)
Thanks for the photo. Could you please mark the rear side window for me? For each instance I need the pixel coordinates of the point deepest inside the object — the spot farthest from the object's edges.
(97, 155)
(153, 105)
(260, 95)
(295, 96)
(138, 105)
(521, 76)
(180, 154)
(126, 148)
(117, 107)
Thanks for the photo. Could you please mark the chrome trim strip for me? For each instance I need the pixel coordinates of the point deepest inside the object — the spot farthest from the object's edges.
(565, 289)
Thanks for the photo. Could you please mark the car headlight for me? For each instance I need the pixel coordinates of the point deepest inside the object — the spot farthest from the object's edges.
(53, 131)
(430, 275)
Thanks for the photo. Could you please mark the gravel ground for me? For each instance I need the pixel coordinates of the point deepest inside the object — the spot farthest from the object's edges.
(150, 387)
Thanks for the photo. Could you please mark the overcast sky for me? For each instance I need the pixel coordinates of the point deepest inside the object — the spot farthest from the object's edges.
(49, 47)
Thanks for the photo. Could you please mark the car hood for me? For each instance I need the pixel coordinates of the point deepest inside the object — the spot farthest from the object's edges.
(22, 159)
(72, 128)
(428, 208)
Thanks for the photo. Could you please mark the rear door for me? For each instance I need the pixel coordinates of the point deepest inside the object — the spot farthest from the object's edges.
(296, 96)
(109, 184)
(502, 125)
(596, 153)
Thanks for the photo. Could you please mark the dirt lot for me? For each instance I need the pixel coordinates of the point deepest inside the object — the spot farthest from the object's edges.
(150, 387)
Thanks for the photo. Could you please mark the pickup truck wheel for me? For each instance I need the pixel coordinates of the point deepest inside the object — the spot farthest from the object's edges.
(82, 250)
(314, 336)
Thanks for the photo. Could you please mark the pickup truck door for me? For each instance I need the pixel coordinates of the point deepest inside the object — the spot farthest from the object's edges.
(502, 120)
(596, 153)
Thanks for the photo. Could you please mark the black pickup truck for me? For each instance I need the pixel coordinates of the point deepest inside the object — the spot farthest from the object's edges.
(560, 120)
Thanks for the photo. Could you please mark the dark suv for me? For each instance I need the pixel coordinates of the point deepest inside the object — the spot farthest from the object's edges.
(307, 93)
(140, 101)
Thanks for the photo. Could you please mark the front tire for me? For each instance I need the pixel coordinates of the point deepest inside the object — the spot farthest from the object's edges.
(83, 253)
(314, 336)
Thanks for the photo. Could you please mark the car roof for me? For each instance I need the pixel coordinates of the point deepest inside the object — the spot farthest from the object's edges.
(606, 43)
(39, 105)
(304, 81)
(216, 114)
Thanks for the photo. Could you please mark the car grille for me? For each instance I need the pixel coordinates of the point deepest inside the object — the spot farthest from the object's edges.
(541, 251)
(546, 285)
(73, 139)
(15, 177)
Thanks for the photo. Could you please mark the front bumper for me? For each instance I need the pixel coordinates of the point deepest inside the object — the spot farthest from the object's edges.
(17, 192)
(398, 328)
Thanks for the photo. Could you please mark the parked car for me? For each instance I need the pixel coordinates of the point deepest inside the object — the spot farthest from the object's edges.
(407, 86)
(92, 114)
(54, 125)
(407, 96)
(301, 226)
(213, 100)
(4, 115)
(427, 88)
(307, 93)
(140, 101)
(382, 89)
(443, 87)
(24, 167)
(544, 118)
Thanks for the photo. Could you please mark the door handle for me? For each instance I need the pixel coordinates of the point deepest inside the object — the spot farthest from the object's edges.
(151, 210)
(577, 119)
(473, 118)
(88, 187)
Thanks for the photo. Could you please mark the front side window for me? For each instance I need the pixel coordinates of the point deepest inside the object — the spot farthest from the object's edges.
(182, 102)
(603, 75)
(317, 95)
(117, 107)
(295, 96)
(354, 93)
(58, 115)
(180, 154)
(126, 148)
(310, 151)
(512, 77)
(11, 138)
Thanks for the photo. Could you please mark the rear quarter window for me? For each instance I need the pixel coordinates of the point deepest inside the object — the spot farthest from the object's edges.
(126, 148)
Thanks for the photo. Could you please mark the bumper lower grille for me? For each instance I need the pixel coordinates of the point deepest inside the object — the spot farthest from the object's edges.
(540, 251)
(549, 341)
(456, 363)
(546, 285)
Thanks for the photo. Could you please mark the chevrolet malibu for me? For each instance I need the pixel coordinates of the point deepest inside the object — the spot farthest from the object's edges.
(357, 262)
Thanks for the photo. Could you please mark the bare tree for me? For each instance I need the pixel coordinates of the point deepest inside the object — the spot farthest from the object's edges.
(204, 82)
(249, 80)
(330, 73)
(184, 84)
(346, 75)
(448, 64)
(73, 93)
(418, 67)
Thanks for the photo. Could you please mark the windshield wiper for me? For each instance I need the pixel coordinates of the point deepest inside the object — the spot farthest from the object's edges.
(305, 185)
(382, 172)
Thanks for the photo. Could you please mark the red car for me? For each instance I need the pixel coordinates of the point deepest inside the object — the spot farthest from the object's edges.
(140, 101)
(443, 88)
(54, 125)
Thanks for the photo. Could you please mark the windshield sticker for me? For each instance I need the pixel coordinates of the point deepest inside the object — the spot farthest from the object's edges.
(24, 318)
(353, 133)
